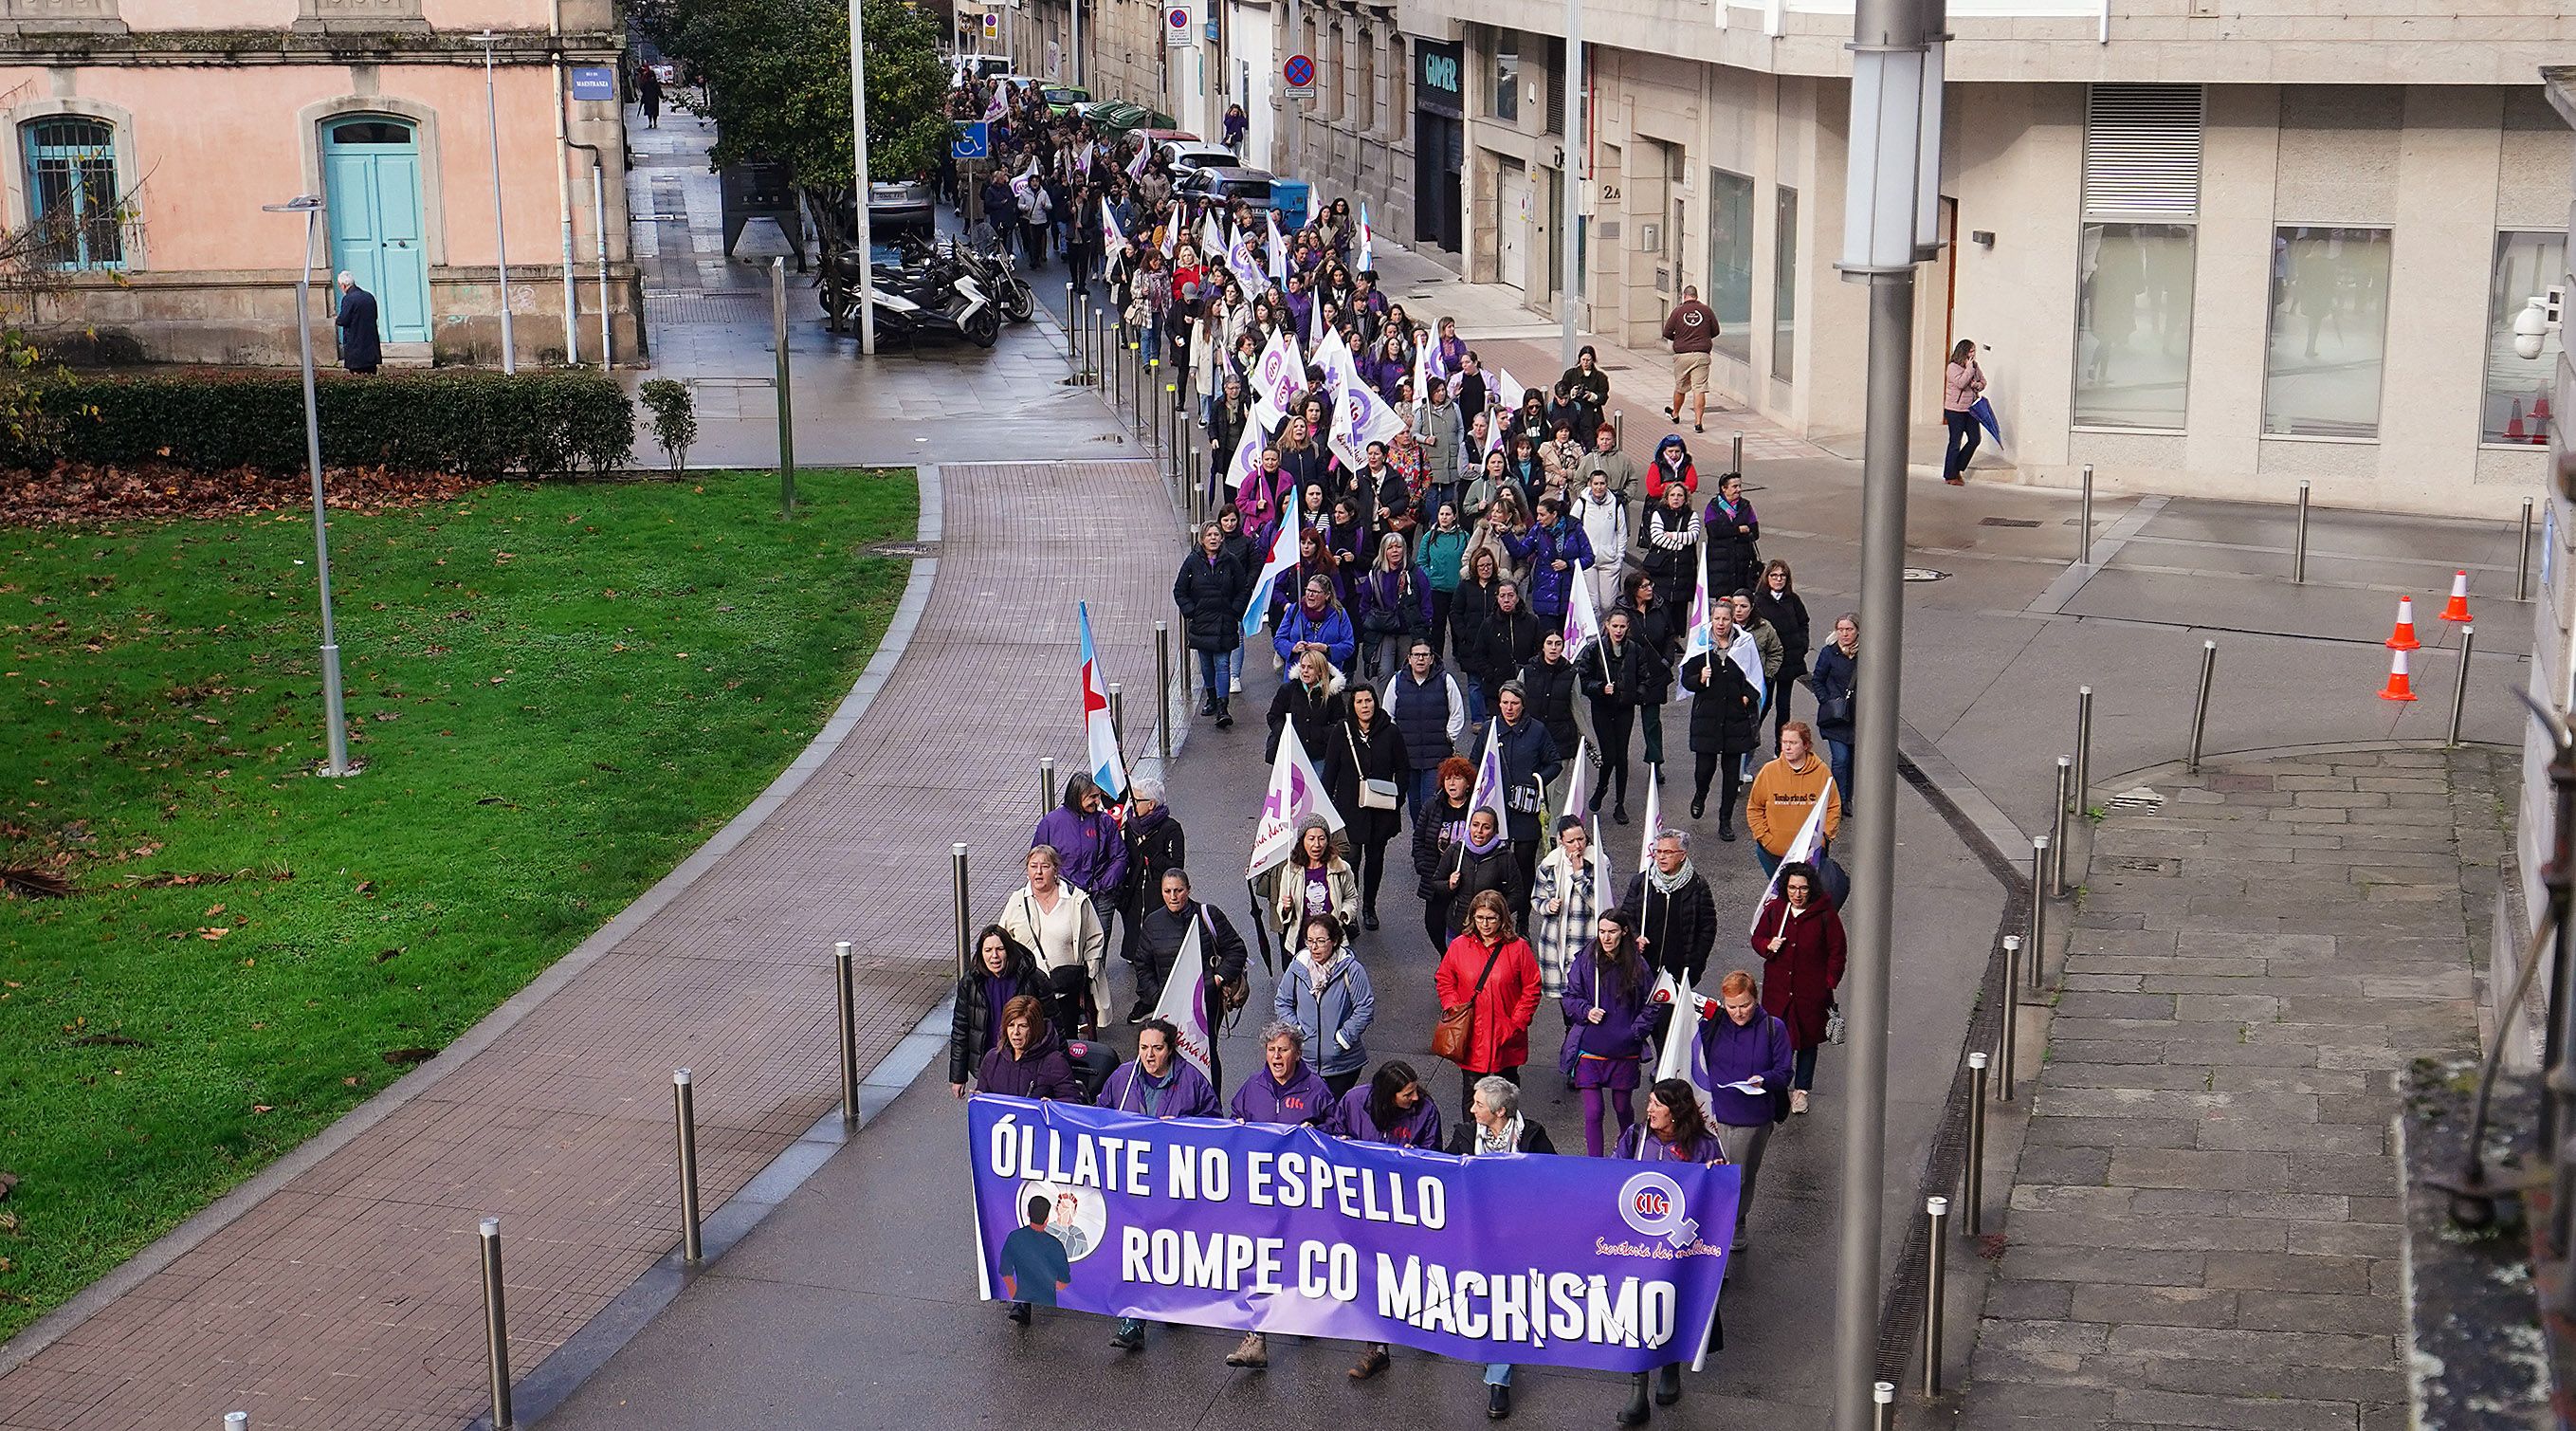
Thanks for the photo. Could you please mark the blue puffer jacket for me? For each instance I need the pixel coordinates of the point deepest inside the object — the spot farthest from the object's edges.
(1541, 550)
(1333, 630)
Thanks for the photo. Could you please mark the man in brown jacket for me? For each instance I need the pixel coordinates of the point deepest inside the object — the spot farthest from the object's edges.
(1692, 330)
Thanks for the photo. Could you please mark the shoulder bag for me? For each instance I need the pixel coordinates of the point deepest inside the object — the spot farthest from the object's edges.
(1456, 1031)
(1374, 794)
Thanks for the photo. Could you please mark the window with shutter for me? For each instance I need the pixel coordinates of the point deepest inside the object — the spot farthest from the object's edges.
(2142, 151)
(1555, 87)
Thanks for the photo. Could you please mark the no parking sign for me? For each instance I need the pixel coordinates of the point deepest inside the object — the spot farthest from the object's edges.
(1299, 74)
(1178, 24)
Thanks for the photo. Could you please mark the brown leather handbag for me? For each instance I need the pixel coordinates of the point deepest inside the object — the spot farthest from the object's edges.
(1456, 1031)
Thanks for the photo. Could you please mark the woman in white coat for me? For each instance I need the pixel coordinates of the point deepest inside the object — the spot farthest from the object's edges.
(1573, 886)
(1056, 920)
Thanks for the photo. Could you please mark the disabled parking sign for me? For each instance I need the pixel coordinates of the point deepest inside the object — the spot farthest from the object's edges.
(974, 140)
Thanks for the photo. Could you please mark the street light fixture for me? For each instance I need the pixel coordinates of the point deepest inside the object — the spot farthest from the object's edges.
(500, 232)
(334, 707)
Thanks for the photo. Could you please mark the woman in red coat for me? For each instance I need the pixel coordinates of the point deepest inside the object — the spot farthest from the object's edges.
(1800, 939)
(1489, 950)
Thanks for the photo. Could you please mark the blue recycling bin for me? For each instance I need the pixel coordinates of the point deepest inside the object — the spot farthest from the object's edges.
(1291, 198)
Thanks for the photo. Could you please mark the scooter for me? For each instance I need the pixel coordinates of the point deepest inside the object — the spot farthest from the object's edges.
(1000, 274)
(912, 303)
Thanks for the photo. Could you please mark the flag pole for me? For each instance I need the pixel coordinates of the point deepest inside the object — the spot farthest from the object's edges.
(1261, 928)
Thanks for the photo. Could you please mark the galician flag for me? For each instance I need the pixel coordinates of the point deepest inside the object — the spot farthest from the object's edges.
(1296, 792)
(1283, 555)
(1368, 241)
(1108, 767)
(1747, 656)
(1810, 839)
(1185, 1002)
(1489, 779)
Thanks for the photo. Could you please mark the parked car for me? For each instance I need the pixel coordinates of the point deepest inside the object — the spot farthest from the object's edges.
(1061, 98)
(975, 67)
(899, 206)
(1193, 153)
(1226, 183)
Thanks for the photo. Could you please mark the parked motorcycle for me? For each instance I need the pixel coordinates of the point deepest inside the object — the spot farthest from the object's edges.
(940, 295)
(1000, 275)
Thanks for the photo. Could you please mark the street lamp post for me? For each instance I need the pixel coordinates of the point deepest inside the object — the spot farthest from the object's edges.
(859, 181)
(500, 231)
(334, 708)
(1891, 210)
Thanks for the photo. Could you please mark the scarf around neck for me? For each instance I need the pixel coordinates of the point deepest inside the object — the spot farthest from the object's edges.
(1667, 883)
(1507, 1140)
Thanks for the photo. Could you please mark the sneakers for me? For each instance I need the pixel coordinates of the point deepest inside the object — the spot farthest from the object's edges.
(1797, 1100)
(1234, 684)
(1253, 1351)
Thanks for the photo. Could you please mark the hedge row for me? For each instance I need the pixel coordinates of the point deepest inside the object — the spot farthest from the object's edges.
(471, 422)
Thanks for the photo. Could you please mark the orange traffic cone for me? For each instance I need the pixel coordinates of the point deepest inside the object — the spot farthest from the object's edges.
(2458, 609)
(2399, 688)
(2403, 638)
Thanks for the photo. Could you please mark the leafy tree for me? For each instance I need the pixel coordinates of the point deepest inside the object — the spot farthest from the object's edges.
(777, 77)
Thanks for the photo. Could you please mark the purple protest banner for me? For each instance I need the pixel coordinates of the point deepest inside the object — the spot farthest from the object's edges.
(1536, 1259)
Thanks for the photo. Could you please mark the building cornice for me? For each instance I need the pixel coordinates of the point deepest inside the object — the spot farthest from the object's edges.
(298, 47)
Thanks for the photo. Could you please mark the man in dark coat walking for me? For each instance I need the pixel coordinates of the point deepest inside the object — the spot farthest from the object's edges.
(360, 351)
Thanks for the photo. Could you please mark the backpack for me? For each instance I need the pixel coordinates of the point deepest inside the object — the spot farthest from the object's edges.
(1092, 1061)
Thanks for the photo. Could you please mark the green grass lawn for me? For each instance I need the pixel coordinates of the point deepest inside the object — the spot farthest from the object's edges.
(557, 692)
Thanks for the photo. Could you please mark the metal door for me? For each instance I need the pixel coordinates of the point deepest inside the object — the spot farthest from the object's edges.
(1514, 225)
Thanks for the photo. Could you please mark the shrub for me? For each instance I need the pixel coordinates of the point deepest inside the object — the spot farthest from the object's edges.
(475, 423)
(675, 418)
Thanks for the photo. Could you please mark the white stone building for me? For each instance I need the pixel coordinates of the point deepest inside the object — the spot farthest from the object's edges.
(2208, 246)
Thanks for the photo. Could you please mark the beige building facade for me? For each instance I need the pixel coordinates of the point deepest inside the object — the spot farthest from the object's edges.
(162, 126)
(2204, 246)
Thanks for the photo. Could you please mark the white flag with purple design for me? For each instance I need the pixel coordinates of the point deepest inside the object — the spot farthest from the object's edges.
(1245, 264)
(1489, 779)
(1802, 850)
(1185, 1003)
(1296, 792)
(1275, 380)
(1278, 251)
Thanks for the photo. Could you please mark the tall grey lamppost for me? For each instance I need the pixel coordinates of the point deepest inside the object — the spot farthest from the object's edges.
(335, 710)
(500, 231)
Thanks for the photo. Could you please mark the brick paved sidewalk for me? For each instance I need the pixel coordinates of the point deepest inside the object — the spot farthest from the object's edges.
(347, 1300)
(2205, 1226)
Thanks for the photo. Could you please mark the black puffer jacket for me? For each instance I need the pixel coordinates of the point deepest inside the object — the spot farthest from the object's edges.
(1679, 928)
(1211, 596)
(1551, 691)
(1726, 718)
(969, 1030)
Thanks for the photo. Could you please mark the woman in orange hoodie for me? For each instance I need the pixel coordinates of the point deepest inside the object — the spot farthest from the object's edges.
(1785, 792)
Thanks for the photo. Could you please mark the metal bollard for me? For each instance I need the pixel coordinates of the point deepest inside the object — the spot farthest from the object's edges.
(2522, 564)
(2200, 706)
(2084, 535)
(2012, 1019)
(2083, 747)
(496, 1326)
(2038, 910)
(1117, 379)
(845, 989)
(786, 390)
(1972, 1173)
(2460, 692)
(2057, 829)
(1735, 454)
(684, 1114)
(1046, 783)
(1118, 713)
(1076, 346)
(1936, 1211)
(1163, 690)
(2299, 546)
(966, 951)
(236, 1421)
(1883, 1405)
(1149, 423)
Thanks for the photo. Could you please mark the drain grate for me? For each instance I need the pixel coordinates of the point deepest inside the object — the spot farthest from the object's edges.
(1924, 573)
(2140, 798)
(738, 305)
(904, 549)
(2006, 522)
(2141, 864)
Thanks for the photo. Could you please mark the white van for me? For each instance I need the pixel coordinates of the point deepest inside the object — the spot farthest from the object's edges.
(976, 67)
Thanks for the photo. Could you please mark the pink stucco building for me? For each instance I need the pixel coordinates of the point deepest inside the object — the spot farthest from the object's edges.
(194, 113)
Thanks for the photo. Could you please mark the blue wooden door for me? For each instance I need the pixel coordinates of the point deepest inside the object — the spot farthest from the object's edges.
(371, 179)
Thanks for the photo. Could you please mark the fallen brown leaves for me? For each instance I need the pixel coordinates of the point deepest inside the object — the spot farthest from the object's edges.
(80, 496)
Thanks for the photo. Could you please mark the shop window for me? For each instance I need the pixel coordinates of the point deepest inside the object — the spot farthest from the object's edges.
(2326, 349)
(2133, 325)
(2515, 405)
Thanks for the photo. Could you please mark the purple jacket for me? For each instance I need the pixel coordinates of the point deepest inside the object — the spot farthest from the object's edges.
(1093, 854)
(1638, 1145)
(1302, 1099)
(1731, 1053)
(1627, 1020)
(1185, 1092)
(1043, 1074)
(1421, 1130)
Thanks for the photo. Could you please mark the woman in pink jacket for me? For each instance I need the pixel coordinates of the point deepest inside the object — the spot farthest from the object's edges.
(1960, 388)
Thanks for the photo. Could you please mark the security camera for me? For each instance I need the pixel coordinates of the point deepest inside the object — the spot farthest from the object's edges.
(2530, 326)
